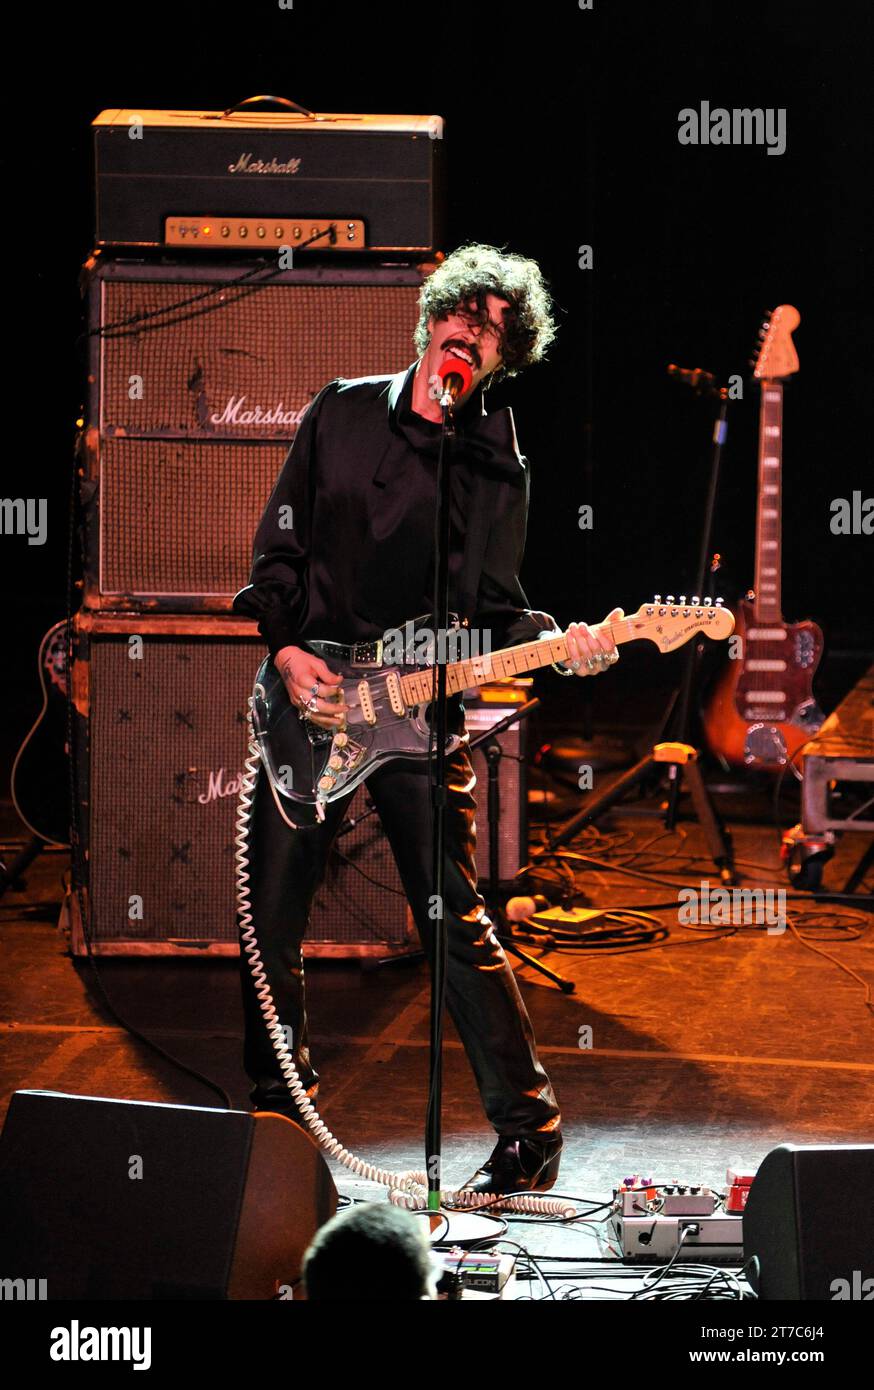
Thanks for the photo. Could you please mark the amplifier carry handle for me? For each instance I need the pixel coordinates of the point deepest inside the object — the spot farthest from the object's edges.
(278, 101)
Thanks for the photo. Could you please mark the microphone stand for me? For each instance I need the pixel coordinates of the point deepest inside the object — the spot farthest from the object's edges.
(678, 758)
(703, 384)
(439, 623)
(443, 1226)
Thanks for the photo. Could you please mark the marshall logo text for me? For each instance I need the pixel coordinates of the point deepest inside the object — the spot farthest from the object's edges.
(218, 787)
(247, 164)
(235, 414)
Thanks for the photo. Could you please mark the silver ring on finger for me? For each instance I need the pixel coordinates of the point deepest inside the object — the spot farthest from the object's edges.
(590, 663)
(314, 690)
(575, 665)
(612, 657)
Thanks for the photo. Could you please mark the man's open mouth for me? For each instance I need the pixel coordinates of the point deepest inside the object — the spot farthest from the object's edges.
(464, 353)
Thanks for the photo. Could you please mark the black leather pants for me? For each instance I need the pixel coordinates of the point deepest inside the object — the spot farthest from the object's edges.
(482, 997)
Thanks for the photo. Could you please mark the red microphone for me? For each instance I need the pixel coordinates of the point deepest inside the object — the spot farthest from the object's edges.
(457, 378)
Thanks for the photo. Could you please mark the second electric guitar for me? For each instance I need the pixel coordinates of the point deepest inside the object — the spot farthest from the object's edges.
(762, 709)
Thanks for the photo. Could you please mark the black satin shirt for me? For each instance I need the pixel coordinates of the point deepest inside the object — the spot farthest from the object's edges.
(345, 547)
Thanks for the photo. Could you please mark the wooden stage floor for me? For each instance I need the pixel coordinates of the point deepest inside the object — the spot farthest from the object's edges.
(709, 1048)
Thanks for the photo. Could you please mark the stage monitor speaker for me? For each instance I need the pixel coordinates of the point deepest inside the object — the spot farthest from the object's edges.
(200, 375)
(161, 741)
(809, 1222)
(118, 1199)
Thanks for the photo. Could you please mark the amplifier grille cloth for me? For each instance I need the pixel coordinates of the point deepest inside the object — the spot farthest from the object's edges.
(162, 728)
(348, 907)
(168, 738)
(179, 518)
(270, 346)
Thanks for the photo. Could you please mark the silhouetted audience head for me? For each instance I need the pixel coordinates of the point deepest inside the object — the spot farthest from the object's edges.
(372, 1250)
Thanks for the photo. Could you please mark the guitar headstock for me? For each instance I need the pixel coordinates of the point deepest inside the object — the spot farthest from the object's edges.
(671, 622)
(775, 350)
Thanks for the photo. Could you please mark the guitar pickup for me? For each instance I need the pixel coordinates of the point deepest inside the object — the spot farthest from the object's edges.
(396, 699)
(366, 701)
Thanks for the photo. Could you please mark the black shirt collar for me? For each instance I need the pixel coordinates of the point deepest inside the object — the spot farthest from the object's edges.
(488, 441)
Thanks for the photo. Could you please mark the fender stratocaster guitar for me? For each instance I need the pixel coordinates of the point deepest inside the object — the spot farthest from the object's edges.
(387, 705)
(762, 708)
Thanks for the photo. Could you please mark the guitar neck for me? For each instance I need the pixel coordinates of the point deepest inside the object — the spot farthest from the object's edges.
(767, 606)
(417, 688)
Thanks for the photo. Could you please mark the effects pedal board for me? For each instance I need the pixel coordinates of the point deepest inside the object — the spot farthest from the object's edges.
(651, 1224)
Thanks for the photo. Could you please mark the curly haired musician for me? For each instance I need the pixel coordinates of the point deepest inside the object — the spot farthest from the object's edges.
(360, 481)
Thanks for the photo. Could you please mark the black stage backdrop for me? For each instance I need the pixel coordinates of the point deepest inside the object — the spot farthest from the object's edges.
(561, 131)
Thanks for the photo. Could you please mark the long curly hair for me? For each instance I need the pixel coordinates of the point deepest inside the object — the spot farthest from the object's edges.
(471, 273)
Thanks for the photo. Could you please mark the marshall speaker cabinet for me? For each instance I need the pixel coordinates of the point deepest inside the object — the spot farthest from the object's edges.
(160, 738)
(199, 376)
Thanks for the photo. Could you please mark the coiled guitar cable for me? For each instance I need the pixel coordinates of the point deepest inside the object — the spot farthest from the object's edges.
(404, 1189)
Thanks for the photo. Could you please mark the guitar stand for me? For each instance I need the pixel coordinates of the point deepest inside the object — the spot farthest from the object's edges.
(493, 753)
(679, 760)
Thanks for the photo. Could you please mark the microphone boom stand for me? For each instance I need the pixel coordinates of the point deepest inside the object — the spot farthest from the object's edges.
(678, 758)
(466, 1225)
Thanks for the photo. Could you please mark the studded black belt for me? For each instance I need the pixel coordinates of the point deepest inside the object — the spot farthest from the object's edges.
(371, 653)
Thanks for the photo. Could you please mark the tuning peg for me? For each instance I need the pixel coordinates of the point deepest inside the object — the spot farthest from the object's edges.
(682, 600)
(719, 603)
(670, 599)
(657, 598)
(708, 602)
(696, 602)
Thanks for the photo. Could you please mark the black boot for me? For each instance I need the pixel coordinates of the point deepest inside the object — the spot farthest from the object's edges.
(280, 1102)
(522, 1163)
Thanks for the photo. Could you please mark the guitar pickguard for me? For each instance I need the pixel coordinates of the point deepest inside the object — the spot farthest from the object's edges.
(763, 708)
(308, 764)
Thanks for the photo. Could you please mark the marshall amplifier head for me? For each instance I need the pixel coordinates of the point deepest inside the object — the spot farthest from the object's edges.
(248, 179)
